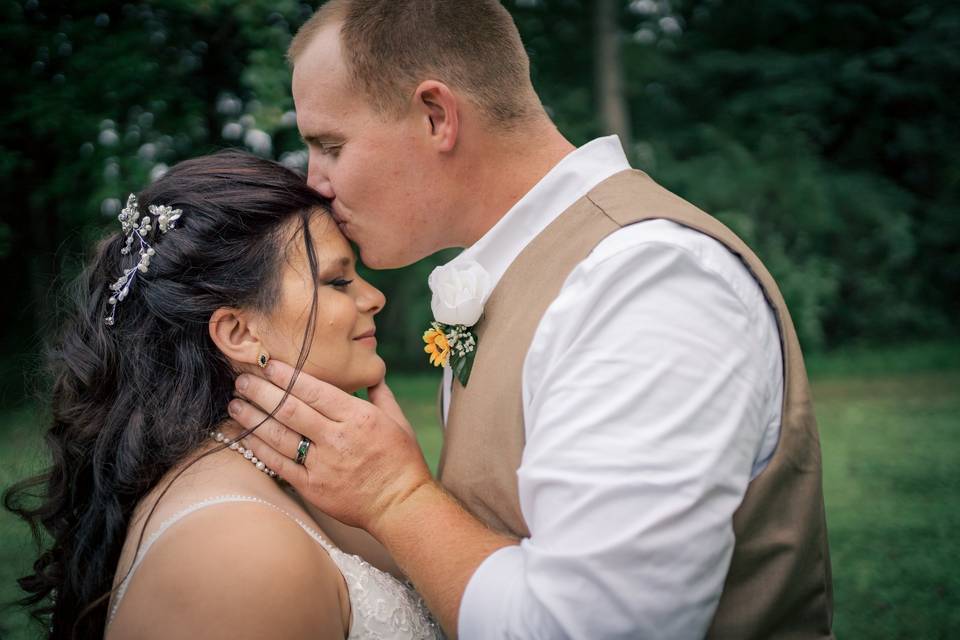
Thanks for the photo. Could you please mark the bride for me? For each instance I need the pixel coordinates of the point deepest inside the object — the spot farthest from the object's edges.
(158, 524)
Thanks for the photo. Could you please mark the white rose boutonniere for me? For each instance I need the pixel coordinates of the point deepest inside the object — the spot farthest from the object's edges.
(460, 290)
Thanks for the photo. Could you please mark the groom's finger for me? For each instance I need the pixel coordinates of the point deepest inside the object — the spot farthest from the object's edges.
(382, 396)
(295, 474)
(286, 408)
(322, 396)
(284, 439)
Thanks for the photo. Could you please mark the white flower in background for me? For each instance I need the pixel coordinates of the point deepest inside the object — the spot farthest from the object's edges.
(258, 141)
(158, 171)
(460, 289)
(288, 119)
(232, 131)
(108, 138)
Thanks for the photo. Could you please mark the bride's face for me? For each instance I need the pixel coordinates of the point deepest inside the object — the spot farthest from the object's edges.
(343, 349)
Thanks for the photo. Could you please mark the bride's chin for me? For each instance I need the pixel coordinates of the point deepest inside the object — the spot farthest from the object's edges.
(371, 374)
(375, 376)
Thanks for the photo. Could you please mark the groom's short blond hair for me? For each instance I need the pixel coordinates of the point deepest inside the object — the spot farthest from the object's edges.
(390, 46)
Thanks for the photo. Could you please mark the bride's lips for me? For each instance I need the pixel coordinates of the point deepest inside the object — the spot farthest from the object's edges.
(368, 337)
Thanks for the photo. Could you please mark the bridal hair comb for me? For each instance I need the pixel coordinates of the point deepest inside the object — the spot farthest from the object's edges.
(137, 226)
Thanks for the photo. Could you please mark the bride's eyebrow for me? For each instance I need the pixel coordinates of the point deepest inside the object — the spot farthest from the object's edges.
(342, 262)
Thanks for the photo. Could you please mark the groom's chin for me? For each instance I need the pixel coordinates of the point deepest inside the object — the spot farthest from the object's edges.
(374, 259)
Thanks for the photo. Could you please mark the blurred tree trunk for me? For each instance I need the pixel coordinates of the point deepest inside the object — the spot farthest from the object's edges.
(608, 71)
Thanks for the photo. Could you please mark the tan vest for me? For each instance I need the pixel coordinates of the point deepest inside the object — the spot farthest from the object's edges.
(779, 583)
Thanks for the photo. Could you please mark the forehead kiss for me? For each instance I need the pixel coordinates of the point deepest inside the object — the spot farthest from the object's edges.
(374, 164)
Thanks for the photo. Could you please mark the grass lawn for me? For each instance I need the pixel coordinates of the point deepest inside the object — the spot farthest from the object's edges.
(891, 467)
(891, 452)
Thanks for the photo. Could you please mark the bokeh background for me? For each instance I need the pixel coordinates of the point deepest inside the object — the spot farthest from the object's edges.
(824, 133)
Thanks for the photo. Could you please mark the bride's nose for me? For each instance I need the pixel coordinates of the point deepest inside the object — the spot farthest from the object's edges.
(371, 300)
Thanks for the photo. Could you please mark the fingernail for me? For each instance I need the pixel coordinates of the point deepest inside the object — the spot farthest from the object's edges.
(234, 408)
(242, 383)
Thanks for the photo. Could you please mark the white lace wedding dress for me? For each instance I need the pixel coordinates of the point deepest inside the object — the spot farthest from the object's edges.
(382, 608)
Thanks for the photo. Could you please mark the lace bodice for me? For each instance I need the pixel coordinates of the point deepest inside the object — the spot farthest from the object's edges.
(381, 607)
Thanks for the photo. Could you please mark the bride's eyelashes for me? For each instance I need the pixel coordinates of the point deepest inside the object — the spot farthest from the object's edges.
(340, 283)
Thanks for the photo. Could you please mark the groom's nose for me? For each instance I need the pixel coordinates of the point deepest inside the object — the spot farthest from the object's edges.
(319, 179)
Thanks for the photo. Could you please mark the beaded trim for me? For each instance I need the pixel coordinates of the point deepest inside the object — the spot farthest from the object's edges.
(246, 453)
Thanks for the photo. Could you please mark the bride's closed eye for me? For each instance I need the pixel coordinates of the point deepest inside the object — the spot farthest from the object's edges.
(340, 283)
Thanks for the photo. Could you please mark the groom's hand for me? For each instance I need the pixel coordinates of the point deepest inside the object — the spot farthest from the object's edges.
(364, 459)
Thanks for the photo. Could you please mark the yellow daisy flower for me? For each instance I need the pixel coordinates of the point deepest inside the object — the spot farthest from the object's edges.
(437, 347)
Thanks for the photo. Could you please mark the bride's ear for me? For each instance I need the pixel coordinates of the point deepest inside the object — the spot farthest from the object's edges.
(236, 335)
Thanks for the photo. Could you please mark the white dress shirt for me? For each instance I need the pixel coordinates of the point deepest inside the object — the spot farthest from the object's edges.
(652, 395)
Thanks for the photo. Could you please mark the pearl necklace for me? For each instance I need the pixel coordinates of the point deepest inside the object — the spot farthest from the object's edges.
(246, 453)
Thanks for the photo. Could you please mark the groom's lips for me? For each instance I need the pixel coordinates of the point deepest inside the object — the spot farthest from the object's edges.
(336, 213)
(341, 224)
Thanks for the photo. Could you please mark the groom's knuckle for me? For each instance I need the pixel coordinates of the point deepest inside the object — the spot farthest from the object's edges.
(287, 409)
(275, 432)
(311, 394)
(364, 416)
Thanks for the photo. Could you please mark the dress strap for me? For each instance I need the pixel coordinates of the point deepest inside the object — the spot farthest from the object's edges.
(183, 513)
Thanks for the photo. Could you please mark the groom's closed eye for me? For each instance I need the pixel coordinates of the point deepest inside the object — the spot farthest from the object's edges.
(327, 145)
(329, 149)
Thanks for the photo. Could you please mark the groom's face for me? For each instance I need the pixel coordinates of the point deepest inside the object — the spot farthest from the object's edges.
(375, 168)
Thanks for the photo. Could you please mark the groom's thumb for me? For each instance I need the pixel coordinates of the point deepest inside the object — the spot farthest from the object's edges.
(382, 397)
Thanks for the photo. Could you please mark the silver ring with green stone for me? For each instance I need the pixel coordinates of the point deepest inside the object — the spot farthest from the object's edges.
(302, 449)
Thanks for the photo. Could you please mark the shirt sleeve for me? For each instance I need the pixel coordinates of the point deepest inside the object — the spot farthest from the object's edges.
(646, 400)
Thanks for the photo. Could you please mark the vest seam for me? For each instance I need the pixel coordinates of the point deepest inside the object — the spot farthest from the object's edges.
(605, 215)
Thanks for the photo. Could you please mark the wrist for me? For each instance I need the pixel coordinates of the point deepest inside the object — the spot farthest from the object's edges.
(404, 507)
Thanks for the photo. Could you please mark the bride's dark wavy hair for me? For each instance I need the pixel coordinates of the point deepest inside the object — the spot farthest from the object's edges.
(131, 401)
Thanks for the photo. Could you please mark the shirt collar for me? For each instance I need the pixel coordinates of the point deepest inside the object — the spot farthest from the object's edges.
(568, 181)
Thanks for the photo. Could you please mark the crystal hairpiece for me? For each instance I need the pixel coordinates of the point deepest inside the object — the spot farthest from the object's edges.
(137, 226)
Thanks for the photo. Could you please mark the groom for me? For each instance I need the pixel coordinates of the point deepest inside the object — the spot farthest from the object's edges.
(635, 453)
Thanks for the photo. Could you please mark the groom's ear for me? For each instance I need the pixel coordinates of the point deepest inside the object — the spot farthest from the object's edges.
(438, 108)
(235, 334)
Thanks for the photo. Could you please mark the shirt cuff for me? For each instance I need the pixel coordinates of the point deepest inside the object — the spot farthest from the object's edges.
(489, 594)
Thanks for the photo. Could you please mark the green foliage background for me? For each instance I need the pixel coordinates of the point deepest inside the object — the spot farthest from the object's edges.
(824, 133)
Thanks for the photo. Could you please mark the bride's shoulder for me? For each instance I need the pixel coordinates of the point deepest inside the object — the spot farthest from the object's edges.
(235, 569)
